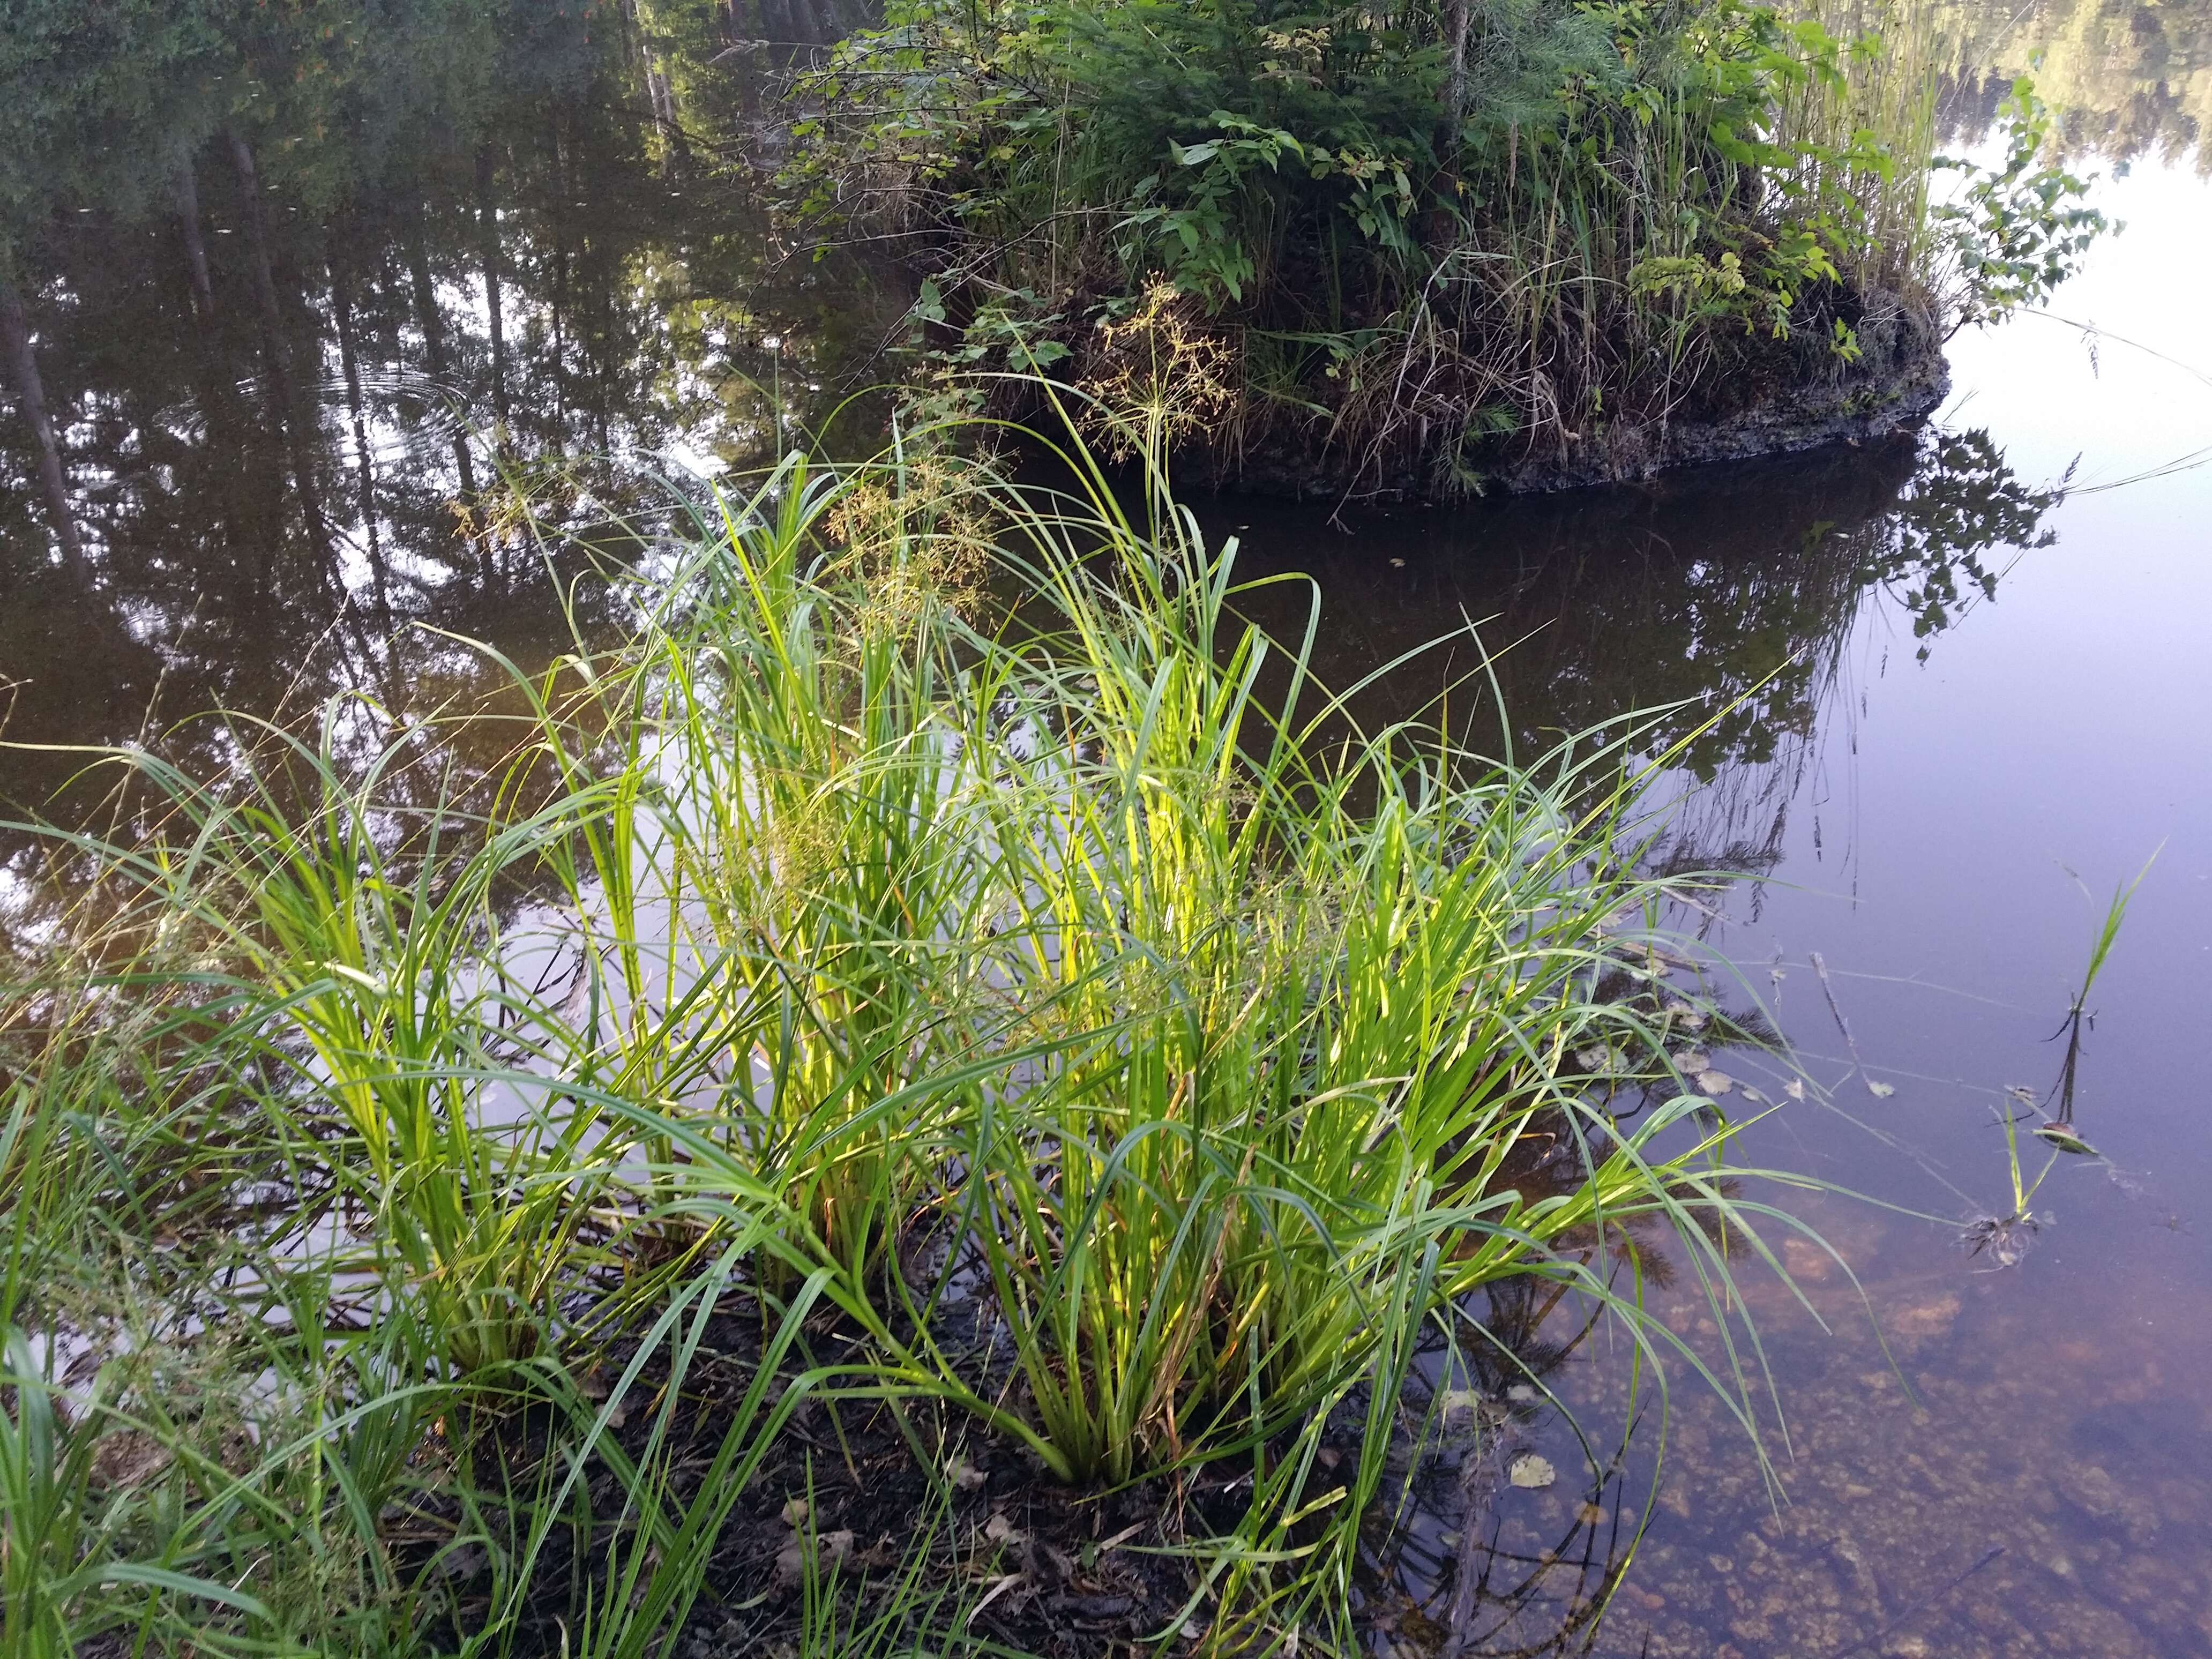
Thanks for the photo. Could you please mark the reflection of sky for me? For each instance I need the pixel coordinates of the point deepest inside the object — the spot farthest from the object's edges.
(2130, 411)
(1931, 855)
(2064, 728)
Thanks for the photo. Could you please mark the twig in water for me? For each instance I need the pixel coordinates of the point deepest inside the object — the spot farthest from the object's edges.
(1879, 1091)
(1925, 1602)
(1479, 1474)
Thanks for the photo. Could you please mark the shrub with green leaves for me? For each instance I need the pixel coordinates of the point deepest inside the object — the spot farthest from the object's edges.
(1408, 221)
(2013, 232)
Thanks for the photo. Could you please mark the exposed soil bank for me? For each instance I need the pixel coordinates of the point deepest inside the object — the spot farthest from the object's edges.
(1898, 381)
(1852, 410)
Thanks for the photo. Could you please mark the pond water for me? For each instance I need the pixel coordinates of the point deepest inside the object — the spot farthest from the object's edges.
(1964, 687)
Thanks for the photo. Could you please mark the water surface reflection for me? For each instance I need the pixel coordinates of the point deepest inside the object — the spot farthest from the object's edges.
(323, 354)
(360, 321)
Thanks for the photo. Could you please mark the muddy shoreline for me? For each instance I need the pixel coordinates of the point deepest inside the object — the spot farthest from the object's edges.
(1852, 411)
(1904, 385)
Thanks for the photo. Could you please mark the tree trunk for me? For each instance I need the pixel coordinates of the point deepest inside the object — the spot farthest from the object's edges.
(364, 468)
(1459, 18)
(257, 237)
(557, 157)
(230, 433)
(488, 236)
(31, 398)
(660, 95)
(432, 323)
(1444, 220)
(289, 426)
(560, 359)
(559, 228)
(188, 215)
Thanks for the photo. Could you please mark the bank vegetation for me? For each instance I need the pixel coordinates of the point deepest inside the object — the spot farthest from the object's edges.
(1440, 248)
(892, 1121)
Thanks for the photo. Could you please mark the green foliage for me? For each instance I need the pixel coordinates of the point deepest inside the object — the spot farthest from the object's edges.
(1588, 212)
(98, 104)
(102, 106)
(2015, 232)
(892, 971)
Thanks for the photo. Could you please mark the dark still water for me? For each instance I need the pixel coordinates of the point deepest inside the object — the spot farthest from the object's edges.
(332, 337)
(1964, 689)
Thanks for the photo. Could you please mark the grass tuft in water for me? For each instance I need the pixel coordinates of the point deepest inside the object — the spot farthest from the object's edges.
(2006, 1239)
(1005, 1018)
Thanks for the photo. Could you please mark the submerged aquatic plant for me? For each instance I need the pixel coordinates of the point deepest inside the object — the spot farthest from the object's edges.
(2005, 1239)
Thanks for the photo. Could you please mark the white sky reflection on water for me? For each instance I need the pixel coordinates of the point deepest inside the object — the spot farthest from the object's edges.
(2054, 740)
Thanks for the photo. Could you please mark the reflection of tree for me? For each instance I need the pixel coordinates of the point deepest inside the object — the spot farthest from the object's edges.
(2126, 80)
(258, 249)
(1722, 597)
(1963, 502)
(1726, 594)
(415, 685)
(268, 474)
(1926, 554)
